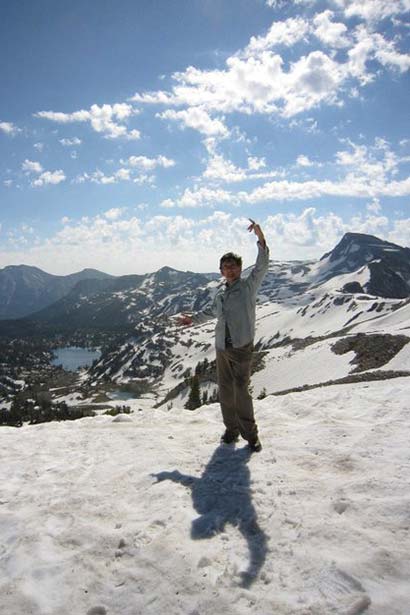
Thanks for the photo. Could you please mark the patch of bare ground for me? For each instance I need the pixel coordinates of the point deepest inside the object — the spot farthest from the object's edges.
(372, 351)
(352, 378)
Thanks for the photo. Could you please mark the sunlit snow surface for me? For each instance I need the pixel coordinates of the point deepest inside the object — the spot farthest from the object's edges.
(148, 515)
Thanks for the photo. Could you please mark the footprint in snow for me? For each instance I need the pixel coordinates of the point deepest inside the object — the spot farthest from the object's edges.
(97, 610)
(343, 592)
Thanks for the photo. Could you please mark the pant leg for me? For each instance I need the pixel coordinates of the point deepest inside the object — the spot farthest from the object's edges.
(226, 388)
(241, 360)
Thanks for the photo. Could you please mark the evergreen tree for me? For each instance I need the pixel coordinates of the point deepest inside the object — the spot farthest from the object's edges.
(194, 399)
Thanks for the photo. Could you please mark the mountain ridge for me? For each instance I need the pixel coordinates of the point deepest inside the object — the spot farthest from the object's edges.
(25, 289)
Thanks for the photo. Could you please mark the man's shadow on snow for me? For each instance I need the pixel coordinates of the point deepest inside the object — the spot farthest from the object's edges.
(222, 495)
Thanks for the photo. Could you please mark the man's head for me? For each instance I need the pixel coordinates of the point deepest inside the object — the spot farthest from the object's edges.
(230, 266)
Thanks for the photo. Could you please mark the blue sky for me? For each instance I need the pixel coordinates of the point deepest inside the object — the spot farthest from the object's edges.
(140, 134)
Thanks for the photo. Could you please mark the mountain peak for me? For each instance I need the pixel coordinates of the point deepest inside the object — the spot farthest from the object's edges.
(362, 244)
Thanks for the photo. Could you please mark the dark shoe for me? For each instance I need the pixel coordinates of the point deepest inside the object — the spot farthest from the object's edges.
(229, 437)
(255, 446)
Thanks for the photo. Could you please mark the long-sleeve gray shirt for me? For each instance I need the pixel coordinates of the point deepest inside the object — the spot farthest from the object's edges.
(234, 305)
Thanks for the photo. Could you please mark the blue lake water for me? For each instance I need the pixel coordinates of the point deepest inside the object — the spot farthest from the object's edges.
(120, 395)
(73, 357)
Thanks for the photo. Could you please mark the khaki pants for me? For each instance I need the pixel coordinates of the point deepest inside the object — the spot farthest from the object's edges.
(233, 367)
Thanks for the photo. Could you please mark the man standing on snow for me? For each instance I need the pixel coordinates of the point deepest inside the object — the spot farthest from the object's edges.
(234, 306)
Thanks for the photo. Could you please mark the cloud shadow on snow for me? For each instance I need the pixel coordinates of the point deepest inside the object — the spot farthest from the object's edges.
(222, 495)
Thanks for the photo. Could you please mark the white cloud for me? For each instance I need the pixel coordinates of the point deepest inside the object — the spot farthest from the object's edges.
(351, 186)
(106, 119)
(257, 79)
(135, 164)
(149, 164)
(98, 177)
(373, 10)
(198, 119)
(255, 164)
(387, 54)
(9, 128)
(252, 85)
(167, 203)
(31, 166)
(70, 142)
(376, 164)
(313, 79)
(303, 161)
(286, 33)
(374, 207)
(130, 245)
(329, 32)
(114, 213)
(204, 197)
(39, 146)
(49, 177)
(8, 183)
(222, 170)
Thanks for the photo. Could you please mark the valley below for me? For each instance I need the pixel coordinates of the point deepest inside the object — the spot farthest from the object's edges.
(319, 323)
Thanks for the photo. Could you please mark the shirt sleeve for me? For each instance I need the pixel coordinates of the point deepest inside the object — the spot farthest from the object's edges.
(206, 314)
(254, 280)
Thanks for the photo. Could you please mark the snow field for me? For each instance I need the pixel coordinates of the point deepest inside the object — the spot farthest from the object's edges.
(147, 514)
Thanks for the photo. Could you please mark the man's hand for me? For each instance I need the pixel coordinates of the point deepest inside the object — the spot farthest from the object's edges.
(258, 232)
(184, 320)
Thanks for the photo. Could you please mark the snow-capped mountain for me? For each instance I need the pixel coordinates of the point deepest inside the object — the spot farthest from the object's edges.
(25, 289)
(305, 309)
(118, 303)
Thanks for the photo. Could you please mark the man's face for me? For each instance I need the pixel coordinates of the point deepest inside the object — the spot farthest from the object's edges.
(231, 271)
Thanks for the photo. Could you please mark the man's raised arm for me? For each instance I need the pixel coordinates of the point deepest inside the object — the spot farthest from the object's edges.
(262, 261)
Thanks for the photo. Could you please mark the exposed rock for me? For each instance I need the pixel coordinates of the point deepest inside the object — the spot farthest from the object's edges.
(372, 351)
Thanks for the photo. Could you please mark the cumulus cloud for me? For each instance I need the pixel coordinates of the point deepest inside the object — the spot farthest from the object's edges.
(351, 186)
(221, 170)
(136, 168)
(70, 142)
(98, 177)
(200, 197)
(43, 177)
(286, 33)
(107, 119)
(257, 84)
(49, 177)
(9, 128)
(114, 213)
(376, 163)
(386, 53)
(374, 206)
(121, 245)
(373, 10)
(334, 34)
(303, 161)
(149, 164)
(258, 79)
(198, 119)
(31, 166)
(255, 163)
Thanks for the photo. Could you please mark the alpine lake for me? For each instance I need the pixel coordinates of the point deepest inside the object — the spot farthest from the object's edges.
(72, 358)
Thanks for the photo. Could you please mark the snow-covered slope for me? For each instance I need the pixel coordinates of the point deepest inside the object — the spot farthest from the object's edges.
(304, 309)
(148, 515)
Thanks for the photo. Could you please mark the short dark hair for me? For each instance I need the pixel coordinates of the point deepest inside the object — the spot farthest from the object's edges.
(230, 256)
